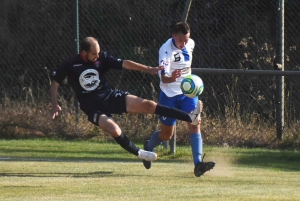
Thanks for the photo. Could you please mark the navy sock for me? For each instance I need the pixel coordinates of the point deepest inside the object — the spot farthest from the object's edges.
(125, 143)
(196, 144)
(172, 113)
(153, 142)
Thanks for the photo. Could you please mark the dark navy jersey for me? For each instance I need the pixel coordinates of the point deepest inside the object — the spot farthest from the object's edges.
(87, 78)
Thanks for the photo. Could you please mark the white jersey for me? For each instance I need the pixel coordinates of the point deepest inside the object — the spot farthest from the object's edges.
(172, 59)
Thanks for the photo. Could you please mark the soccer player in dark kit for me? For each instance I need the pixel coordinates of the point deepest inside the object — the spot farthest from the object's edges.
(86, 75)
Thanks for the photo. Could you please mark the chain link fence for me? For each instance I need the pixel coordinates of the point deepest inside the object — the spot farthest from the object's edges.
(36, 35)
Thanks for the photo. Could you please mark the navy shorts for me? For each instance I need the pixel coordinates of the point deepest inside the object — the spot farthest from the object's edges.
(108, 103)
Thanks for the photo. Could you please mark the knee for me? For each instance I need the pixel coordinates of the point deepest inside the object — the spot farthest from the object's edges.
(165, 136)
(150, 106)
(113, 130)
(194, 128)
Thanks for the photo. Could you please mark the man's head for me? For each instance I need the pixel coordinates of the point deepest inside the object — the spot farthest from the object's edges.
(90, 49)
(181, 34)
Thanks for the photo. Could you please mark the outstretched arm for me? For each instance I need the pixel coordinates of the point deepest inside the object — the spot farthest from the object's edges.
(131, 65)
(170, 78)
(55, 107)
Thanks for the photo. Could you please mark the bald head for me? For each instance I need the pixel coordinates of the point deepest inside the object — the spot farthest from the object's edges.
(90, 49)
(88, 43)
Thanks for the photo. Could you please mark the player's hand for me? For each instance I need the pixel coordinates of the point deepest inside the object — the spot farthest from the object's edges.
(54, 112)
(176, 74)
(154, 70)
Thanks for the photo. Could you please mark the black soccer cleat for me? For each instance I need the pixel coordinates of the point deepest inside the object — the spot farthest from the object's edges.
(147, 164)
(203, 167)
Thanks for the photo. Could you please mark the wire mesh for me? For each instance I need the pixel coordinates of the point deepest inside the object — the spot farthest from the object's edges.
(36, 35)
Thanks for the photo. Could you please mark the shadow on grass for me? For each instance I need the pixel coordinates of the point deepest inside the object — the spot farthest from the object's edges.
(66, 174)
(64, 151)
(276, 160)
(98, 174)
(84, 159)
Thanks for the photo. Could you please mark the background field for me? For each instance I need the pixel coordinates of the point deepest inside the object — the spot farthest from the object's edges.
(36, 35)
(62, 170)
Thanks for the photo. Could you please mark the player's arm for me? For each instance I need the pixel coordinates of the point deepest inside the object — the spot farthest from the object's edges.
(165, 75)
(131, 65)
(55, 106)
(165, 78)
(57, 76)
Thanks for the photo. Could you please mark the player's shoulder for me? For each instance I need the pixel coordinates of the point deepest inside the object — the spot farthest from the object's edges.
(70, 60)
(191, 42)
(104, 55)
(166, 45)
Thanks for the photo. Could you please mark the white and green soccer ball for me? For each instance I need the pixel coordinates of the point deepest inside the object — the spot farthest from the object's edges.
(192, 86)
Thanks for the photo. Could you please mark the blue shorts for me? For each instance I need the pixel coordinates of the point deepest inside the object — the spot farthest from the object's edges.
(180, 102)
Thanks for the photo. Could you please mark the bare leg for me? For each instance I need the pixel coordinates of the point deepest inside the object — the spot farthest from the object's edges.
(136, 105)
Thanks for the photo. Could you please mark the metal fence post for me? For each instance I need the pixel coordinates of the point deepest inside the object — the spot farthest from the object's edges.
(173, 142)
(280, 66)
(76, 46)
(186, 10)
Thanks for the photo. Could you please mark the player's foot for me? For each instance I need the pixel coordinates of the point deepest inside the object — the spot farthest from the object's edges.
(196, 114)
(147, 164)
(203, 167)
(147, 155)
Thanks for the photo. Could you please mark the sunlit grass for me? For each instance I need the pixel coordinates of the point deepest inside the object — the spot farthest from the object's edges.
(66, 170)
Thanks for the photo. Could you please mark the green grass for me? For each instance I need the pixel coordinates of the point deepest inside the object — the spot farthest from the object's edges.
(86, 170)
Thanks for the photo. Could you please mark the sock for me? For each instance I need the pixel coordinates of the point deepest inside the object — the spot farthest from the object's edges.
(196, 144)
(172, 113)
(153, 142)
(125, 143)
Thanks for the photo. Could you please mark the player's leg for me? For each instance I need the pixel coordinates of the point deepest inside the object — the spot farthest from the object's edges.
(166, 127)
(109, 125)
(200, 167)
(115, 102)
(194, 130)
(165, 133)
(137, 105)
(195, 142)
(106, 123)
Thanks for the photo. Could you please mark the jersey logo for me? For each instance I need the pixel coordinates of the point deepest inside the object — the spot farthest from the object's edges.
(75, 65)
(89, 79)
(164, 63)
(97, 63)
(164, 118)
(177, 57)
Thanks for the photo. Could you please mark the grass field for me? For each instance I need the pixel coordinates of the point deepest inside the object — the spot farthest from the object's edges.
(64, 170)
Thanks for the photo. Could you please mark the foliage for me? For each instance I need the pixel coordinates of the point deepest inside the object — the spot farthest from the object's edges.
(232, 130)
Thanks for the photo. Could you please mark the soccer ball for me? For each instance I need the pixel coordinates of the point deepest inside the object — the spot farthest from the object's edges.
(192, 86)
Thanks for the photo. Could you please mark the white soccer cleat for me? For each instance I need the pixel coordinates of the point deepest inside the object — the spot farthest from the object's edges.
(147, 155)
(196, 114)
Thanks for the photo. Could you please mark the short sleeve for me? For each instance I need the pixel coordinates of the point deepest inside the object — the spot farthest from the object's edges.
(164, 60)
(110, 61)
(60, 72)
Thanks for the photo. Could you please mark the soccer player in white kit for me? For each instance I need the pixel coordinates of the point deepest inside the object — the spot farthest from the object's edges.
(176, 57)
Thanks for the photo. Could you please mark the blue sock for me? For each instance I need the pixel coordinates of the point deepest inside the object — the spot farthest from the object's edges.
(196, 144)
(153, 142)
